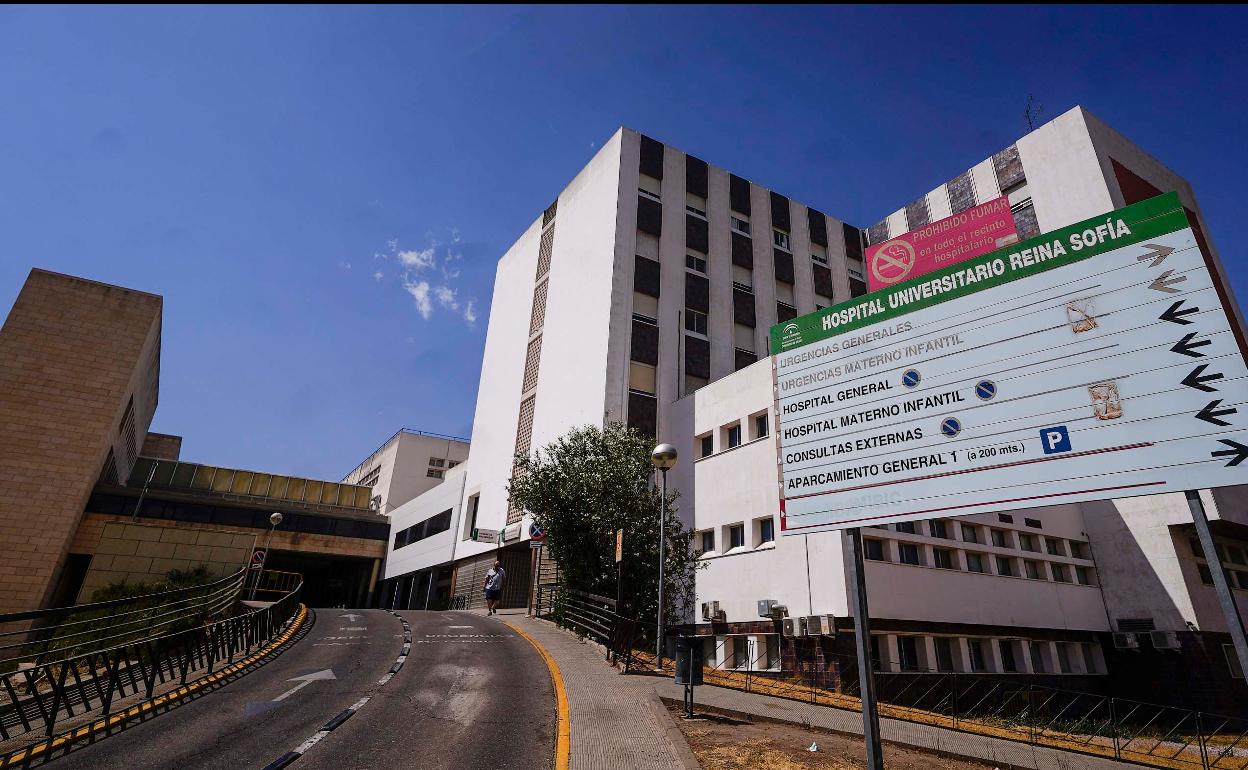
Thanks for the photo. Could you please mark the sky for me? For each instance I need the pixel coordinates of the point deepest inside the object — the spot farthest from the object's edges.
(321, 194)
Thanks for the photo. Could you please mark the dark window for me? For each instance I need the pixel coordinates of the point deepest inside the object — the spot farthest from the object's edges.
(817, 223)
(766, 531)
(823, 280)
(780, 212)
(970, 534)
(427, 528)
(645, 348)
(785, 312)
(742, 250)
(694, 262)
(708, 541)
(943, 558)
(736, 534)
(975, 563)
(938, 528)
(697, 292)
(976, 648)
(743, 307)
(651, 158)
(1008, 663)
(908, 653)
(734, 436)
(853, 241)
(695, 321)
(697, 357)
(649, 216)
(695, 176)
(760, 426)
(784, 265)
(1032, 523)
(908, 553)
(1032, 570)
(696, 235)
(998, 539)
(642, 413)
(906, 526)
(961, 193)
(1004, 567)
(1060, 575)
(944, 653)
(1005, 518)
(875, 653)
(476, 505)
(917, 215)
(857, 287)
(739, 194)
(873, 549)
(1054, 547)
(708, 446)
(744, 358)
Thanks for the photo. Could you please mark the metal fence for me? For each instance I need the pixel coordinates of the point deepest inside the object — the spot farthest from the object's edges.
(594, 617)
(1143, 733)
(50, 688)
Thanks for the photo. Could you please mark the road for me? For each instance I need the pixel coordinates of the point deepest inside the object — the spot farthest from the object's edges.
(471, 694)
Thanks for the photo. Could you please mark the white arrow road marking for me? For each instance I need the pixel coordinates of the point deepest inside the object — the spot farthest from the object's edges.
(459, 626)
(354, 628)
(304, 681)
(351, 617)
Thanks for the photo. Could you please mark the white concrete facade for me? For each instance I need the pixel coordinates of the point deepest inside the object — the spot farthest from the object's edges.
(409, 464)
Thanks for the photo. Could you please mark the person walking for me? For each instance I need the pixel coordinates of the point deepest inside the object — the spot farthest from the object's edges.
(494, 580)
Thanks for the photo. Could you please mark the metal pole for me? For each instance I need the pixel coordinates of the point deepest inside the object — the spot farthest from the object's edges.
(1233, 622)
(658, 633)
(137, 506)
(429, 590)
(537, 561)
(263, 558)
(862, 638)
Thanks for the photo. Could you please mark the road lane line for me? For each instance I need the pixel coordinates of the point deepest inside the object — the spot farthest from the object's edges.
(563, 739)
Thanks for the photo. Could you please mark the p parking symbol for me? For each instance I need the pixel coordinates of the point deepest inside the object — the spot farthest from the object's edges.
(1055, 439)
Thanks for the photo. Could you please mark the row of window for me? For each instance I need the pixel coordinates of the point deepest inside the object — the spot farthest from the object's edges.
(969, 532)
(962, 560)
(427, 528)
(733, 537)
(979, 655)
(730, 435)
(370, 478)
(1230, 556)
(438, 467)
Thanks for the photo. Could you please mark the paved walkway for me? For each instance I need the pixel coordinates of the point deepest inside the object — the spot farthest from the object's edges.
(617, 721)
(996, 750)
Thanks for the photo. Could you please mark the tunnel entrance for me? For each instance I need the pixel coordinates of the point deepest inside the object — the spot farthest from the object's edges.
(328, 580)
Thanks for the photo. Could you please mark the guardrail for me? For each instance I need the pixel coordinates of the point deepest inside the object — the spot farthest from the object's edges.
(592, 616)
(1144, 733)
(41, 694)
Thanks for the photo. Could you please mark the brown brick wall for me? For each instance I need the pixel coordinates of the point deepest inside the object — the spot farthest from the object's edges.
(161, 446)
(72, 354)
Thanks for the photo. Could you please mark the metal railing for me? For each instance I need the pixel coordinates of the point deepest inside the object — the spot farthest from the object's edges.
(1133, 731)
(42, 694)
(45, 636)
(594, 617)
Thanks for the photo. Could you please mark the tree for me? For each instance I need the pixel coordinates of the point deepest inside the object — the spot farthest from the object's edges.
(584, 486)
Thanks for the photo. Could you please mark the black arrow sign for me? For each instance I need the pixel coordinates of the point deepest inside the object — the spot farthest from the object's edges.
(1196, 378)
(1165, 283)
(1211, 413)
(1188, 348)
(1157, 253)
(1238, 452)
(1175, 315)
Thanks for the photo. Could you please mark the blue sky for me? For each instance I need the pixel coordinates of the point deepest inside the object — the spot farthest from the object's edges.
(289, 178)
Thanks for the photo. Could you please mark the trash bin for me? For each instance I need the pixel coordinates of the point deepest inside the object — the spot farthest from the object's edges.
(688, 660)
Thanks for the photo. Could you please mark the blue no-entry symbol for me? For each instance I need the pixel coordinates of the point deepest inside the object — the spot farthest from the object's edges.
(911, 378)
(986, 389)
(951, 426)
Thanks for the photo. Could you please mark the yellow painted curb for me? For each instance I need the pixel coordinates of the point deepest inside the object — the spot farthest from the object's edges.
(563, 736)
(170, 697)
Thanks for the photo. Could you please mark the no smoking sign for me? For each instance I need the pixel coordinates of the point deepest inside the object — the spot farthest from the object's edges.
(893, 262)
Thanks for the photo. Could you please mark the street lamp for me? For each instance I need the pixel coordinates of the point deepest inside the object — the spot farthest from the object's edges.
(274, 519)
(663, 458)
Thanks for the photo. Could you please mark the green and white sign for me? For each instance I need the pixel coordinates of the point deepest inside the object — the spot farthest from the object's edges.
(1092, 362)
(485, 535)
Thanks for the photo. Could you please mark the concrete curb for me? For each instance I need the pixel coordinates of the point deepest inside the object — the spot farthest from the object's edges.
(680, 746)
(563, 726)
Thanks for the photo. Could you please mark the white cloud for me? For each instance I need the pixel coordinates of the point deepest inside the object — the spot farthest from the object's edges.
(377, 276)
(470, 312)
(446, 296)
(420, 293)
(417, 260)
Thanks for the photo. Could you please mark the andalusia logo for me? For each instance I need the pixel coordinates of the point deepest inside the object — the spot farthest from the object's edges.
(790, 335)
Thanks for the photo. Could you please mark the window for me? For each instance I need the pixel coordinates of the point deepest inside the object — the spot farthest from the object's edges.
(969, 534)
(708, 541)
(939, 528)
(760, 426)
(437, 462)
(999, 539)
(695, 321)
(1079, 550)
(692, 383)
(975, 563)
(766, 531)
(944, 653)
(873, 549)
(736, 536)
(740, 651)
(1206, 576)
(370, 478)
(473, 507)
(741, 226)
(1008, 662)
(1063, 657)
(695, 206)
(908, 653)
(1032, 570)
(434, 473)
(1037, 658)
(1027, 542)
(1089, 658)
(1235, 555)
(642, 378)
(1232, 661)
(908, 553)
(906, 526)
(943, 558)
(651, 195)
(772, 645)
(1004, 567)
(1005, 518)
(820, 258)
(743, 278)
(734, 436)
(1054, 547)
(976, 648)
(781, 239)
(875, 654)
(427, 528)
(1083, 575)
(1060, 574)
(1032, 523)
(452, 463)
(708, 445)
(696, 264)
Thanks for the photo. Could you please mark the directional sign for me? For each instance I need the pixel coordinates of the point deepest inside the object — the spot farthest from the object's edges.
(485, 535)
(1093, 362)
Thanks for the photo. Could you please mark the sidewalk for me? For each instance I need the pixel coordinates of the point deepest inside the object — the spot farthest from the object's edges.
(995, 750)
(616, 721)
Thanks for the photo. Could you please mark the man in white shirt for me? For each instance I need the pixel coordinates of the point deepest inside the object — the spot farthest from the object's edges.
(494, 586)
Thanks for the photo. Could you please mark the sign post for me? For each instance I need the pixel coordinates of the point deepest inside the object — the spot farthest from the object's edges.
(1094, 362)
(866, 666)
(537, 536)
(619, 571)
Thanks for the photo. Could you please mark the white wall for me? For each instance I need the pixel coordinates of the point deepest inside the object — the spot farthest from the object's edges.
(431, 550)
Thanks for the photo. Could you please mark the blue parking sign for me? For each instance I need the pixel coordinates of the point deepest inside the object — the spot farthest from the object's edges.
(1055, 439)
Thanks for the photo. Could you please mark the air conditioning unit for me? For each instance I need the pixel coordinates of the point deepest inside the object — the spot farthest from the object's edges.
(1126, 641)
(802, 628)
(829, 624)
(1165, 640)
(779, 611)
(766, 606)
(791, 627)
(814, 625)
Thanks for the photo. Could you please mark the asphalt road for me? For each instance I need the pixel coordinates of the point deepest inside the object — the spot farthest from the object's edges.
(472, 694)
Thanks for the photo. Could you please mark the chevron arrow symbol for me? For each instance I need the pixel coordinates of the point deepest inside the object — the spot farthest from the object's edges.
(1157, 253)
(1211, 413)
(1187, 347)
(1174, 314)
(1237, 452)
(1165, 283)
(1197, 379)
